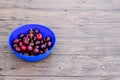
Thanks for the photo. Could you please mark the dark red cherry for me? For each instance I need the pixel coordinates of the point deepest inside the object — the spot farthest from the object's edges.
(34, 38)
(43, 46)
(41, 52)
(37, 43)
(15, 45)
(26, 54)
(45, 50)
(31, 44)
(31, 54)
(20, 39)
(20, 43)
(49, 43)
(48, 38)
(42, 41)
(17, 49)
(22, 35)
(15, 41)
(35, 51)
(37, 46)
(36, 31)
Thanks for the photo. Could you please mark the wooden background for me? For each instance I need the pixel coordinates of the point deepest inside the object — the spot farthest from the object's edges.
(88, 39)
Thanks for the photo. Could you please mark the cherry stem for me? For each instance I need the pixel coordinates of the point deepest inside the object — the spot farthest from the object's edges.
(31, 36)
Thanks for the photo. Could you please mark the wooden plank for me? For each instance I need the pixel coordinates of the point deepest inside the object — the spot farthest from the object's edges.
(81, 24)
(56, 78)
(57, 4)
(62, 65)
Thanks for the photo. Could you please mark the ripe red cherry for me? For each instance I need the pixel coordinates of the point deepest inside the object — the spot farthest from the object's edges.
(23, 48)
(45, 50)
(30, 48)
(20, 43)
(35, 51)
(39, 36)
(17, 49)
(16, 41)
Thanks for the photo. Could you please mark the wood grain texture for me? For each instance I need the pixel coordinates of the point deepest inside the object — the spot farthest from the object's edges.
(59, 78)
(88, 40)
(62, 66)
(56, 78)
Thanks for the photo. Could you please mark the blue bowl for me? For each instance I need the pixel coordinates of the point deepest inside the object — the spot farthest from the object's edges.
(24, 29)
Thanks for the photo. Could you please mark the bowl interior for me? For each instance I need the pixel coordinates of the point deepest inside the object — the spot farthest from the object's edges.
(25, 28)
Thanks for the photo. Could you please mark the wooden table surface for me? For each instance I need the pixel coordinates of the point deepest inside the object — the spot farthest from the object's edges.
(88, 39)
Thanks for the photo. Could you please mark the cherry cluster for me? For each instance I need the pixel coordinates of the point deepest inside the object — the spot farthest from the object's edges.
(32, 43)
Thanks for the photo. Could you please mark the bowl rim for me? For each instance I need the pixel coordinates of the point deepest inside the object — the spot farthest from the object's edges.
(15, 52)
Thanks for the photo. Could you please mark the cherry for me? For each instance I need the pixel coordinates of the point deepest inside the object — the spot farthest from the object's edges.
(45, 50)
(34, 38)
(20, 43)
(43, 46)
(35, 51)
(41, 52)
(37, 42)
(37, 47)
(31, 54)
(39, 36)
(29, 48)
(16, 41)
(36, 31)
(20, 39)
(15, 45)
(17, 49)
(26, 40)
(48, 38)
(22, 35)
(26, 54)
(42, 41)
(31, 44)
(23, 48)
(49, 43)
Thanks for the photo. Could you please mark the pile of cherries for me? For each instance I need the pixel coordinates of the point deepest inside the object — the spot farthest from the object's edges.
(32, 43)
